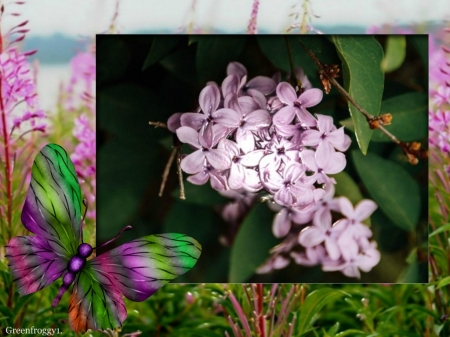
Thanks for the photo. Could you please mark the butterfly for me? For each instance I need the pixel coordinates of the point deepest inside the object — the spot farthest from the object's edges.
(52, 211)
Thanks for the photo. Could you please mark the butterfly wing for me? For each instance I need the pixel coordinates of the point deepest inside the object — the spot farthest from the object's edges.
(95, 303)
(52, 211)
(140, 267)
(52, 208)
(34, 265)
(136, 269)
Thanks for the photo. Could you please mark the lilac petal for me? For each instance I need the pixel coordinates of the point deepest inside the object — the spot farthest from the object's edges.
(199, 178)
(257, 119)
(305, 196)
(188, 135)
(322, 219)
(348, 247)
(258, 97)
(324, 123)
(218, 182)
(311, 236)
(231, 102)
(228, 146)
(252, 158)
(361, 231)
(205, 136)
(324, 153)
(345, 145)
(280, 262)
(237, 69)
(286, 93)
(294, 171)
(226, 117)
(336, 164)
(209, 99)
(310, 97)
(193, 120)
(237, 176)
(301, 217)
(284, 197)
(264, 84)
(245, 139)
(332, 248)
(193, 163)
(351, 271)
(173, 123)
(284, 116)
(281, 223)
(230, 85)
(311, 137)
(218, 159)
(346, 208)
(251, 181)
(248, 104)
(364, 209)
(370, 259)
(286, 130)
(309, 159)
(305, 117)
(218, 132)
(336, 137)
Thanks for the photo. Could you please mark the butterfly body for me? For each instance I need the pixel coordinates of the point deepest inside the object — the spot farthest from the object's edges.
(52, 211)
(74, 266)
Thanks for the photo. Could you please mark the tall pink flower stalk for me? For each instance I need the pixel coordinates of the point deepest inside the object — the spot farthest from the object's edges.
(252, 27)
(81, 95)
(19, 116)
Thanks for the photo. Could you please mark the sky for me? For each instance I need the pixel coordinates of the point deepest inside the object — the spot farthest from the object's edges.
(87, 17)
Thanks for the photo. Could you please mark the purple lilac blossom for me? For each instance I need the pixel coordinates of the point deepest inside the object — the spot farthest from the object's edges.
(248, 140)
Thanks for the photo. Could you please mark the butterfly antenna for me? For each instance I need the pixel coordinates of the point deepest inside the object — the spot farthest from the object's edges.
(86, 205)
(126, 228)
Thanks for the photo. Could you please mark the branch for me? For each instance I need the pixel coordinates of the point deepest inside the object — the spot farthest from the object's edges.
(327, 75)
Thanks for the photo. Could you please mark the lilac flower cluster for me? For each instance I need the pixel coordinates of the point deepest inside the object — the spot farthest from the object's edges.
(311, 238)
(258, 135)
(439, 112)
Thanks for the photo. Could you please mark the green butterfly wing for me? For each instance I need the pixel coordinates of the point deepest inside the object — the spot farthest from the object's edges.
(52, 208)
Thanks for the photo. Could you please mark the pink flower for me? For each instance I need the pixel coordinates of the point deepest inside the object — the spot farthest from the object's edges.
(296, 106)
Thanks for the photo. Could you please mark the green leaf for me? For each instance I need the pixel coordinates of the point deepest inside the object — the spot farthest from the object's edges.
(441, 230)
(410, 274)
(161, 46)
(363, 79)
(314, 302)
(409, 117)
(392, 188)
(252, 244)
(213, 55)
(346, 186)
(395, 53)
(444, 282)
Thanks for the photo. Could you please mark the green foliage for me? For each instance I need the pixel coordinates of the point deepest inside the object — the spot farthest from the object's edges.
(395, 53)
(363, 79)
(247, 255)
(392, 188)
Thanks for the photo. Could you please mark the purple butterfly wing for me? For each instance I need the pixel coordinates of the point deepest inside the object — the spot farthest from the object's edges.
(33, 262)
(140, 267)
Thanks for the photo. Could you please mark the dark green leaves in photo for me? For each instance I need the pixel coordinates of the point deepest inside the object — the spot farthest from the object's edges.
(392, 188)
(249, 251)
(363, 79)
(395, 53)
